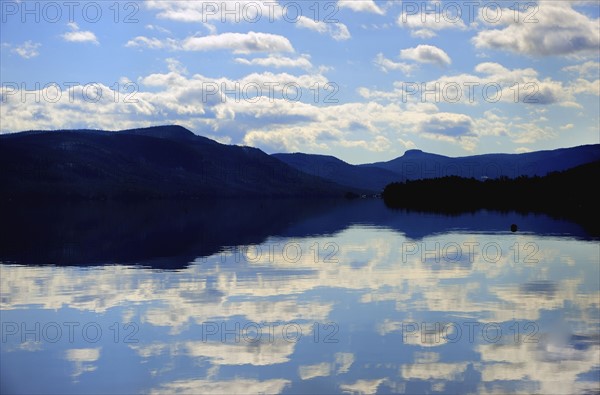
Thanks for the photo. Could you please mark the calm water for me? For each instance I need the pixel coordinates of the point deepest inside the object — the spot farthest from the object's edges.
(290, 297)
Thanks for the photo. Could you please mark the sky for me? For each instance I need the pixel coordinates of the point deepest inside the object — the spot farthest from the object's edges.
(362, 80)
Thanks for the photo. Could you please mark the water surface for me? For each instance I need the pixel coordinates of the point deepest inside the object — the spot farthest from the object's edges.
(295, 297)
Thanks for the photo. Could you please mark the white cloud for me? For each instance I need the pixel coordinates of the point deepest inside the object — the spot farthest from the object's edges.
(537, 362)
(587, 69)
(423, 33)
(152, 43)
(434, 371)
(378, 144)
(522, 150)
(523, 85)
(291, 138)
(174, 98)
(307, 372)
(239, 43)
(311, 24)
(447, 124)
(261, 354)
(234, 387)
(27, 50)
(83, 358)
(425, 25)
(558, 29)
(503, 74)
(382, 122)
(335, 125)
(175, 66)
(583, 86)
(426, 120)
(79, 36)
(548, 92)
(157, 28)
(276, 61)
(426, 54)
(567, 126)
(493, 82)
(338, 31)
(492, 124)
(242, 43)
(366, 387)
(387, 65)
(361, 6)
(529, 133)
(407, 144)
(249, 11)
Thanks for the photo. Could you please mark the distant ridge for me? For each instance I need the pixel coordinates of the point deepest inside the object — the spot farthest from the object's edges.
(416, 164)
(332, 168)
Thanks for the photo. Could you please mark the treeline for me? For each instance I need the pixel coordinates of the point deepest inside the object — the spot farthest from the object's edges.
(570, 194)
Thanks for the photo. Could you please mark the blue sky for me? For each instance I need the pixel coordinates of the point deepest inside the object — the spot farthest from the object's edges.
(362, 80)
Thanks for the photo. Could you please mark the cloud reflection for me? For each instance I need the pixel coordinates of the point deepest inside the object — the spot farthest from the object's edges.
(371, 274)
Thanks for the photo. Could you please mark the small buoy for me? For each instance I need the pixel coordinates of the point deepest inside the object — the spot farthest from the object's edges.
(513, 228)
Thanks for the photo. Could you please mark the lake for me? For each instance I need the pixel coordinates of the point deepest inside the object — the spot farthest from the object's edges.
(288, 296)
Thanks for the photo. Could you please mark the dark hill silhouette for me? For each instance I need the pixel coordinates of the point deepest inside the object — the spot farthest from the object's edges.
(416, 164)
(172, 132)
(338, 171)
(156, 162)
(172, 162)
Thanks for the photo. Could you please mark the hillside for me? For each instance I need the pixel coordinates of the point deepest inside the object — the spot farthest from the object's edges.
(171, 161)
(338, 171)
(416, 164)
(156, 162)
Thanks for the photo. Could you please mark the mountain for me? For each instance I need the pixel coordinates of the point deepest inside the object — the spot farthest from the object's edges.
(416, 164)
(155, 162)
(171, 161)
(340, 172)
